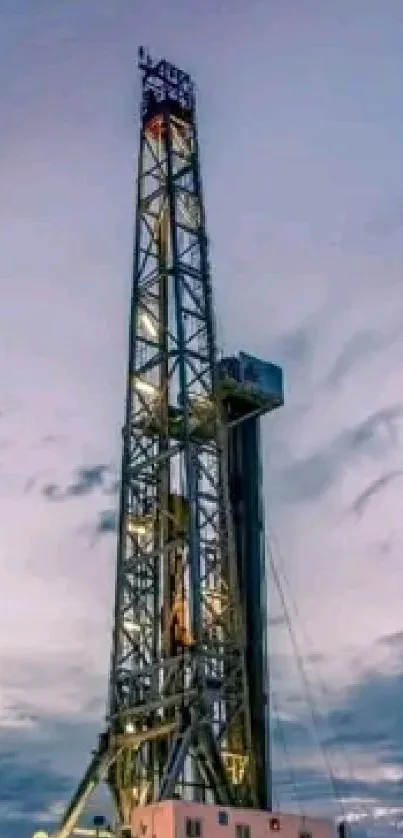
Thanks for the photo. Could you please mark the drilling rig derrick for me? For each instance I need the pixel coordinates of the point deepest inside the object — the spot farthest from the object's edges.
(188, 720)
(179, 722)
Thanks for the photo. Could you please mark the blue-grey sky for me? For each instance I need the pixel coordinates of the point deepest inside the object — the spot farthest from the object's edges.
(302, 149)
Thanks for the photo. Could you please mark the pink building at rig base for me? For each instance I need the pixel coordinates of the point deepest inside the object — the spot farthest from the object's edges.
(178, 819)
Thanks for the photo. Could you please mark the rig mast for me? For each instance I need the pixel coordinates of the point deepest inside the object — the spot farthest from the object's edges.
(187, 714)
(178, 677)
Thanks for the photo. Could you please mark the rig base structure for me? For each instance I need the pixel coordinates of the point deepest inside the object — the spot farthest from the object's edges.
(178, 819)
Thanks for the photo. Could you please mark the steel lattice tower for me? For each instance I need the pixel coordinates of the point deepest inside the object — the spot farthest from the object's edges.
(177, 675)
(179, 717)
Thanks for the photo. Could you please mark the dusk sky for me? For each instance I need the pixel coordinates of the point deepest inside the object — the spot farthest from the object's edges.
(301, 130)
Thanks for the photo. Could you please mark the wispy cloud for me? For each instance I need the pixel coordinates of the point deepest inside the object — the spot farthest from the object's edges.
(87, 479)
(363, 499)
(308, 478)
(297, 346)
(360, 757)
(107, 522)
(381, 735)
(39, 770)
(393, 641)
(359, 348)
(29, 790)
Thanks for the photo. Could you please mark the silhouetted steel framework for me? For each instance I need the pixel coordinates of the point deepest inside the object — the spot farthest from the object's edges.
(179, 717)
(178, 666)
